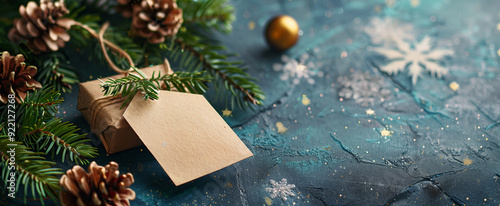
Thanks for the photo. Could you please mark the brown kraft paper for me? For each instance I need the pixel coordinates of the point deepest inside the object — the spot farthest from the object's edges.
(184, 133)
(107, 120)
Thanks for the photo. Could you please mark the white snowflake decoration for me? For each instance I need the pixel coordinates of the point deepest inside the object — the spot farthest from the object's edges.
(363, 88)
(385, 31)
(281, 189)
(296, 70)
(418, 58)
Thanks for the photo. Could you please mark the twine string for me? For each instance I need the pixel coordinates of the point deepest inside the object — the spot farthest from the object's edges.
(99, 103)
(104, 42)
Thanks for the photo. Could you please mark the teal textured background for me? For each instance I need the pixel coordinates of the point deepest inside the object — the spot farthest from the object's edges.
(332, 150)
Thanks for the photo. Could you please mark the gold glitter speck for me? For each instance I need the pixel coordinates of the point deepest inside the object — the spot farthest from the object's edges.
(281, 128)
(467, 161)
(386, 133)
(268, 201)
(251, 25)
(370, 112)
(305, 101)
(227, 113)
(454, 86)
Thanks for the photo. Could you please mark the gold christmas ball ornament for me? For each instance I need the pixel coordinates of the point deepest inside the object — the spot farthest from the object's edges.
(282, 32)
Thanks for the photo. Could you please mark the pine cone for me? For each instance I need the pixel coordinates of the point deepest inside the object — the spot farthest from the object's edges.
(16, 77)
(103, 186)
(42, 25)
(155, 19)
(125, 7)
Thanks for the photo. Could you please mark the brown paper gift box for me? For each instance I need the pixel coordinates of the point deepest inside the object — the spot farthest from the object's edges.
(185, 134)
(108, 122)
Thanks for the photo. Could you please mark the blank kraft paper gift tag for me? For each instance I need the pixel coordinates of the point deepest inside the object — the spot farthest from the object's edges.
(185, 134)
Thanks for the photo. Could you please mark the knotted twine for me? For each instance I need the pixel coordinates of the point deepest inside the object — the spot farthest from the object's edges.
(97, 104)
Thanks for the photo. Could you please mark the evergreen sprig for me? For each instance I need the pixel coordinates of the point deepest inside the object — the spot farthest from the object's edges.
(56, 137)
(192, 49)
(40, 133)
(46, 99)
(133, 83)
(207, 54)
(196, 51)
(208, 14)
(55, 70)
(32, 171)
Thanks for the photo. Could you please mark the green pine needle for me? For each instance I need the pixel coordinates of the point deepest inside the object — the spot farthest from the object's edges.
(56, 138)
(208, 14)
(55, 70)
(40, 133)
(201, 17)
(197, 52)
(35, 174)
(129, 86)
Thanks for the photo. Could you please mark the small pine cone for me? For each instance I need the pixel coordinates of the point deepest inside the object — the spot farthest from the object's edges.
(102, 186)
(16, 77)
(42, 26)
(125, 7)
(157, 19)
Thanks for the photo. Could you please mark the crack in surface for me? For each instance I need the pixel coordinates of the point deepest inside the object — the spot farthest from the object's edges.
(495, 122)
(411, 189)
(433, 176)
(409, 92)
(243, 195)
(352, 153)
(482, 157)
(271, 106)
(318, 197)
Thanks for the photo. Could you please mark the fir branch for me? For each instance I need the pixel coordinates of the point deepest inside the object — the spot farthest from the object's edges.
(45, 99)
(55, 137)
(45, 133)
(208, 14)
(32, 171)
(227, 74)
(133, 83)
(56, 71)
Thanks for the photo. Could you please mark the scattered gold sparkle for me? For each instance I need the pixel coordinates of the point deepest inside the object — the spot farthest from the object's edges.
(305, 101)
(498, 52)
(281, 128)
(415, 3)
(251, 25)
(498, 26)
(467, 161)
(386, 133)
(454, 86)
(227, 113)
(268, 201)
(370, 111)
